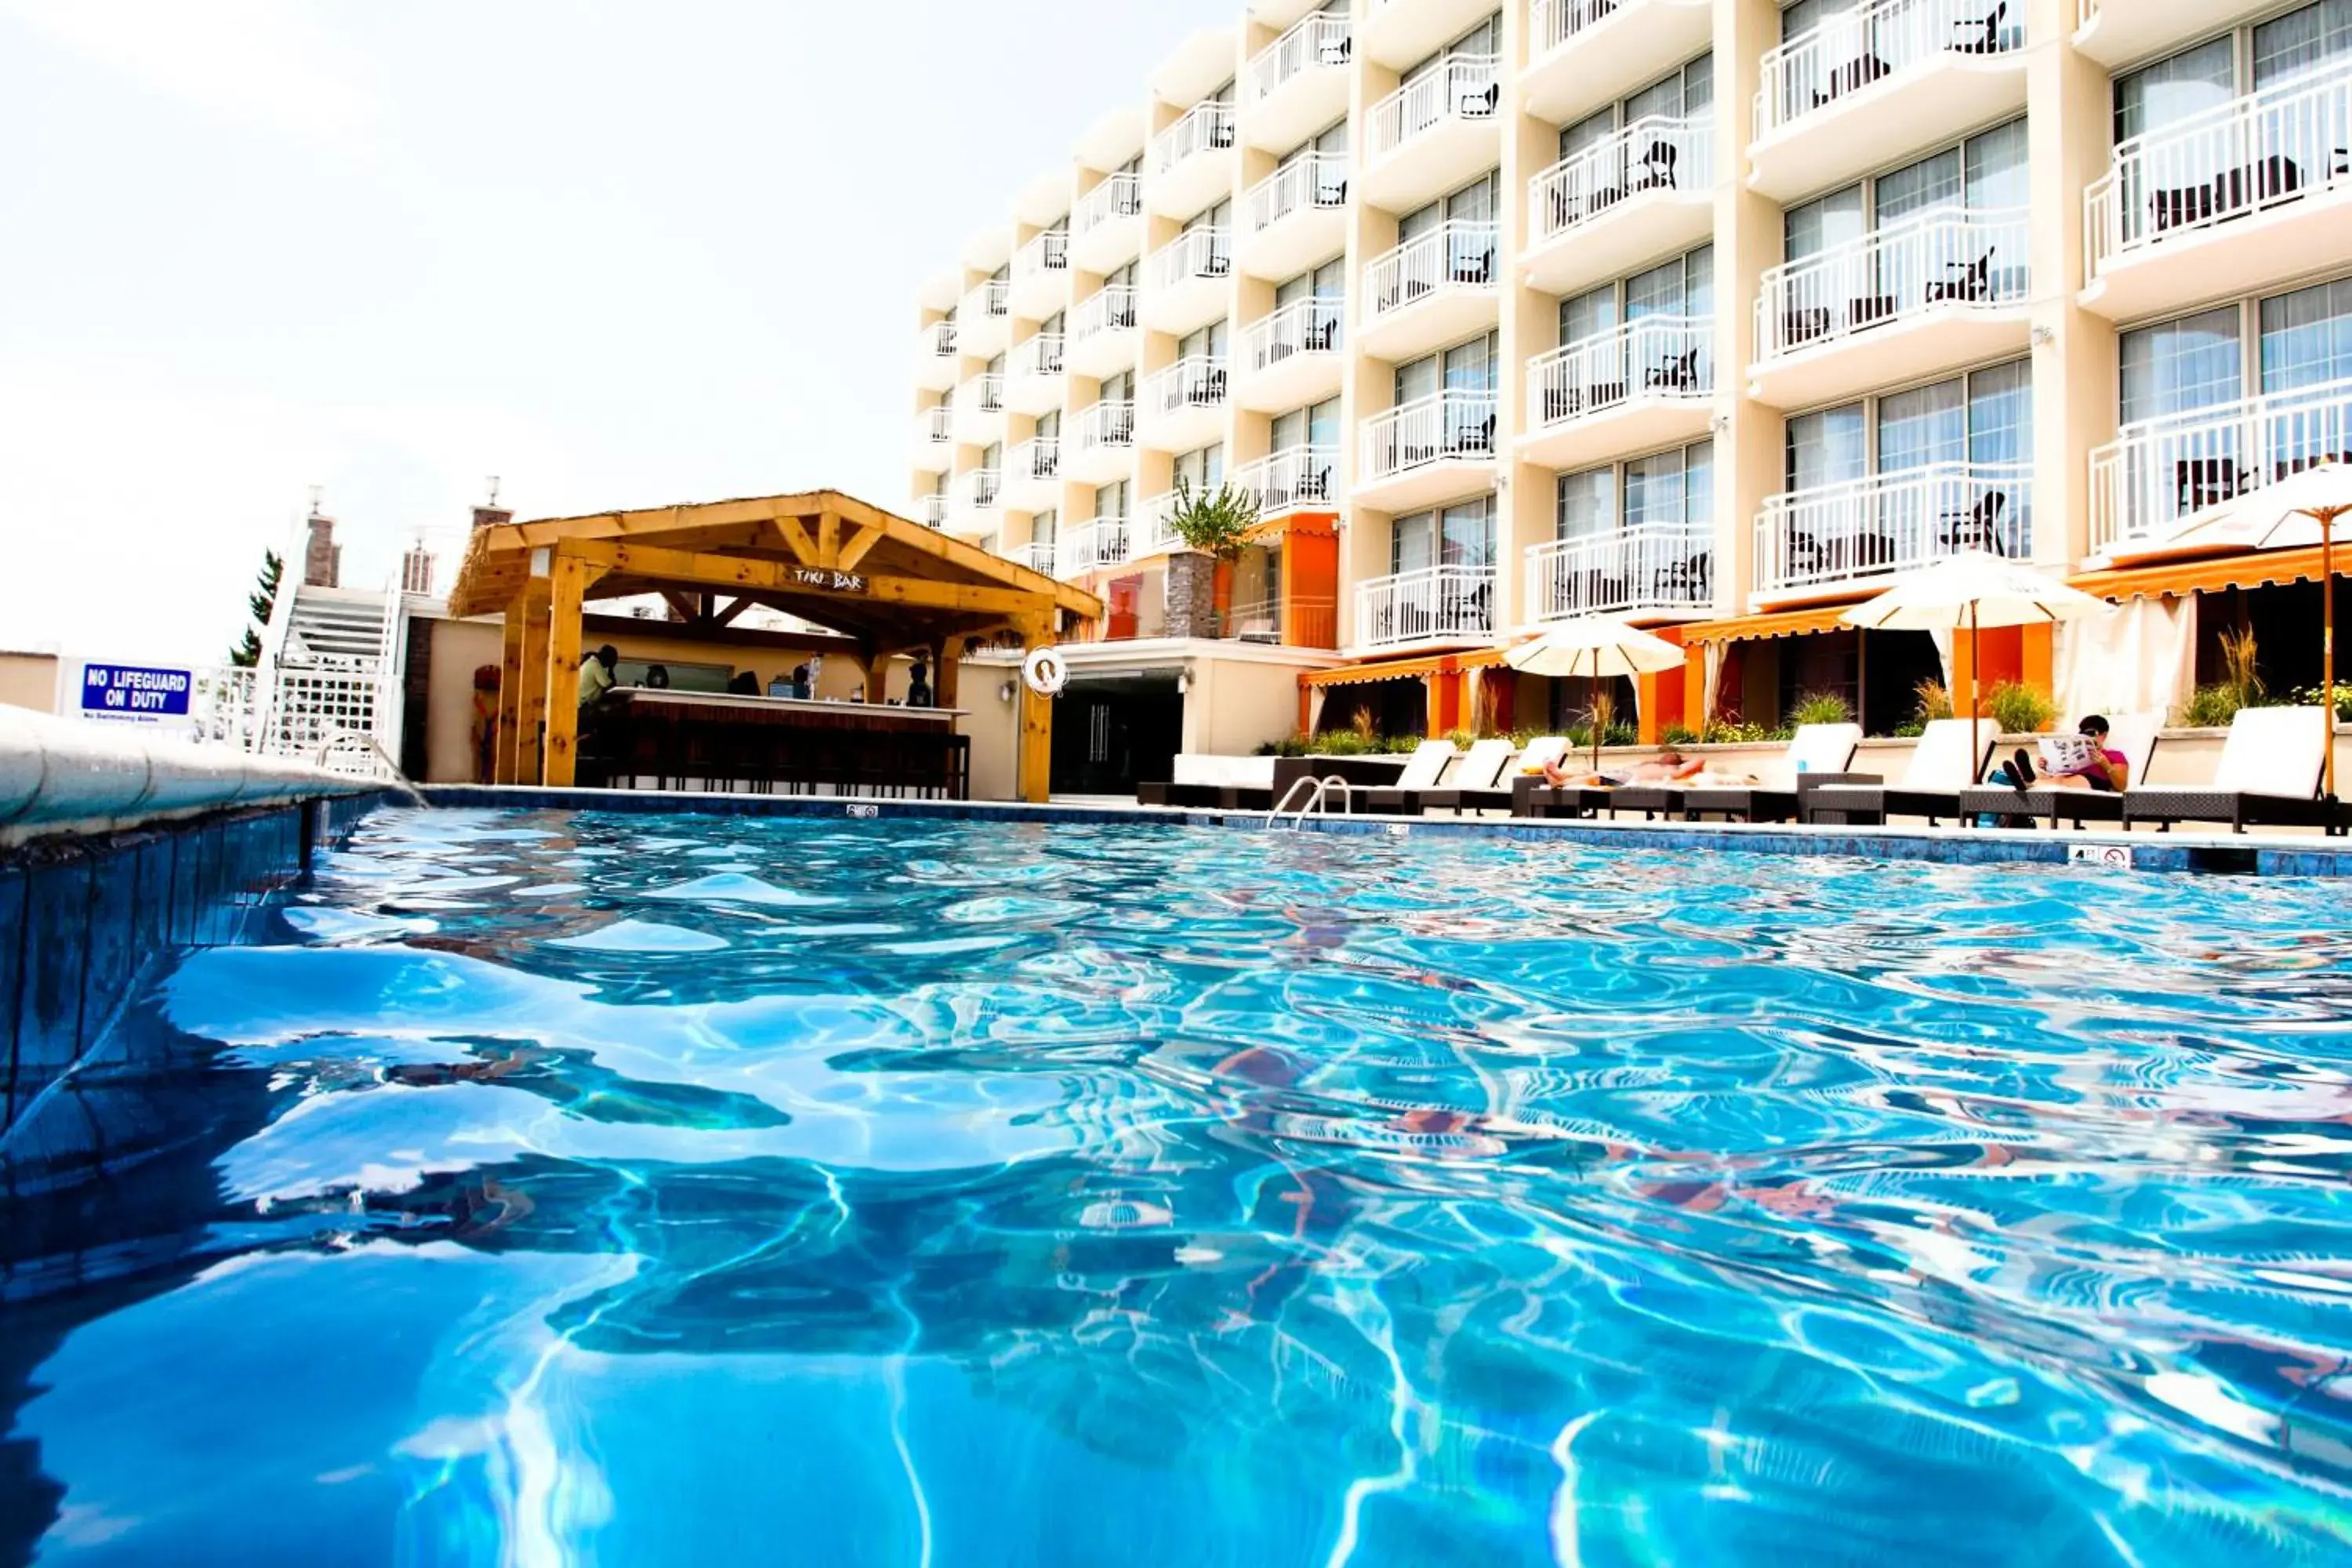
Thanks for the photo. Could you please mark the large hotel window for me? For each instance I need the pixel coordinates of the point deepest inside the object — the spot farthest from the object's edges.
(1969, 438)
(1202, 471)
(1467, 219)
(1461, 535)
(1684, 94)
(1466, 368)
(1674, 489)
(2210, 75)
(1470, 92)
(1684, 287)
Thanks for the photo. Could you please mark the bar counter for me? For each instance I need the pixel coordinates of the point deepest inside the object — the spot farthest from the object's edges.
(644, 738)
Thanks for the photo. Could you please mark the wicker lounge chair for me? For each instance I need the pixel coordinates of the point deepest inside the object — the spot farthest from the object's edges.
(1949, 759)
(1479, 771)
(1421, 771)
(2133, 735)
(2269, 775)
(1497, 797)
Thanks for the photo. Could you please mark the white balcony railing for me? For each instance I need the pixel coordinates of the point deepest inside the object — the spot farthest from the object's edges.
(1557, 22)
(1655, 357)
(1650, 566)
(1885, 523)
(1196, 381)
(1048, 252)
(1118, 196)
(2158, 473)
(1204, 127)
(1295, 478)
(1456, 253)
(1102, 543)
(940, 338)
(1303, 326)
(1038, 555)
(987, 392)
(1154, 534)
(1456, 425)
(982, 488)
(1448, 603)
(2085, 12)
(1041, 355)
(2278, 145)
(935, 511)
(1852, 49)
(1317, 40)
(1103, 426)
(1929, 262)
(937, 422)
(1195, 254)
(1110, 309)
(1318, 180)
(996, 296)
(1654, 153)
(1464, 88)
(1039, 457)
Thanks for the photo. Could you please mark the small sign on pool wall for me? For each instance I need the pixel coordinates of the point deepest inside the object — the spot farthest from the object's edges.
(2106, 856)
(136, 693)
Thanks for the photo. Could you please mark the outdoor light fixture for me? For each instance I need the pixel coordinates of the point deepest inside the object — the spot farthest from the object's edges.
(1183, 682)
(1004, 691)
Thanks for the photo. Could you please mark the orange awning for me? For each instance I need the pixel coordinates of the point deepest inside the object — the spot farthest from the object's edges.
(1750, 629)
(1370, 671)
(2211, 574)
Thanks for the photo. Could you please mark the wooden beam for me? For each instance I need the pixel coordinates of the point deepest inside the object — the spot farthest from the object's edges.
(1037, 766)
(688, 610)
(738, 572)
(855, 548)
(567, 589)
(504, 759)
(947, 664)
(734, 608)
(537, 595)
(796, 539)
(828, 540)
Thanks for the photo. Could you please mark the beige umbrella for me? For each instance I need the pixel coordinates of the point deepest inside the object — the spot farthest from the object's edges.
(1594, 648)
(1967, 591)
(2297, 512)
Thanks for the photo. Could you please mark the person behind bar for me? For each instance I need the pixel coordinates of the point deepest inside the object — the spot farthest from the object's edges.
(918, 686)
(596, 675)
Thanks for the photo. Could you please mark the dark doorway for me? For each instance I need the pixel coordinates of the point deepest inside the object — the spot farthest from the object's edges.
(1114, 731)
(2284, 618)
(1395, 708)
(1877, 673)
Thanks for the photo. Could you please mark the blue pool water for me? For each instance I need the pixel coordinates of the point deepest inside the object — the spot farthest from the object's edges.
(574, 1188)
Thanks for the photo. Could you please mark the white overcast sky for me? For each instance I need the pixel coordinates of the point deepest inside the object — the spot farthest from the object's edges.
(618, 254)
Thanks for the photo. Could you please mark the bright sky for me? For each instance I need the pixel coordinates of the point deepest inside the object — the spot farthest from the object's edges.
(616, 253)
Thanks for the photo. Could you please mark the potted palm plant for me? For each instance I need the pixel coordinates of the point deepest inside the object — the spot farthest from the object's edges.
(1213, 526)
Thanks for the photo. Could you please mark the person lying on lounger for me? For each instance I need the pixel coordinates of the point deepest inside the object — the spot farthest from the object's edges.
(2081, 760)
(1668, 767)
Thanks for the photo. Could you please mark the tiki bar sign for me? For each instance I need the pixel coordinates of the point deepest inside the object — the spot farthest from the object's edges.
(831, 581)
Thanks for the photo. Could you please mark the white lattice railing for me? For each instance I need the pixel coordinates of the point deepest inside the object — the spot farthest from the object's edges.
(1110, 309)
(1655, 357)
(1318, 180)
(1117, 197)
(1454, 424)
(1655, 153)
(1044, 253)
(1852, 49)
(1091, 546)
(2160, 473)
(1446, 603)
(1465, 88)
(1649, 567)
(1196, 253)
(2278, 145)
(1919, 265)
(1458, 253)
(1294, 479)
(1196, 381)
(1892, 522)
(1317, 40)
(1106, 426)
(1204, 127)
(1303, 326)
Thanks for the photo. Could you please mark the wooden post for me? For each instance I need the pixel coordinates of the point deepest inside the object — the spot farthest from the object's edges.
(506, 760)
(566, 589)
(1037, 721)
(530, 752)
(947, 664)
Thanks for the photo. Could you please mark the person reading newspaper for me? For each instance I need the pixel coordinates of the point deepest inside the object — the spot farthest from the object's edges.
(2080, 761)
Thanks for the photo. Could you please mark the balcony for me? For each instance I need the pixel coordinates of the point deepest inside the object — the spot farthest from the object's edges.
(986, 318)
(1101, 448)
(1190, 281)
(1436, 288)
(1297, 479)
(1033, 474)
(2159, 476)
(935, 438)
(1106, 225)
(1151, 533)
(1297, 217)
(1928, 294)
(2224, 201)
(1436, 604)
(1600, 212)
(1298, 83)
(980, 411)
(1091, 547)
(1432, 134)
(1634, 388)
(1038, 555)
(1036, 384)
(980, 492)
(1435, 449)
(1399, 34)
(1291, 357)
(1846, 539)
(934, 508)
(1183, 406)
(937, 359)
(1648, 573)
(1103, 332)
(1583, 54)
(2119, 32)
(1192, 162)
(1041, 275)
(1882, 80)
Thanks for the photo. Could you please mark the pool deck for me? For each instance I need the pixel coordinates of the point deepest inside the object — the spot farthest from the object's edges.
(2215, 852)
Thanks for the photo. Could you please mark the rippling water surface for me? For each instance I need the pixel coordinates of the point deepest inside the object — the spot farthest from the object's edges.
(696, 1190)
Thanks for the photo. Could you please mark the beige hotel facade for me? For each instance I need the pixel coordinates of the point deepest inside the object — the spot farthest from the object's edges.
(1711, 314)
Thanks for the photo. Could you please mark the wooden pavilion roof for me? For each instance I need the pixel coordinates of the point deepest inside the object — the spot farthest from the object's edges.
(824, 556)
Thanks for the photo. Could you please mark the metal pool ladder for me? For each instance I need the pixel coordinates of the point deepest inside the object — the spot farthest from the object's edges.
(1318, 789)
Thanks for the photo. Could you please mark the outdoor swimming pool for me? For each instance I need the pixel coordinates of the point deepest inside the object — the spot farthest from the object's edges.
(685, 1190)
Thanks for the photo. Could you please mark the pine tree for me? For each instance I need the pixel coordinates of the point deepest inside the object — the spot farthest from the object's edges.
(262, 600)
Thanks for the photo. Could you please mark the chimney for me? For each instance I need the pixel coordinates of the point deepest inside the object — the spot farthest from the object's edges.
(323, 558)
(416, 571)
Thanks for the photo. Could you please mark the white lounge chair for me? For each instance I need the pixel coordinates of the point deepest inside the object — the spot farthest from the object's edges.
(1817, 755)
(2133, 735)
(1421, 771)
(1948, 759)
(1461, 794)
(2269, 775)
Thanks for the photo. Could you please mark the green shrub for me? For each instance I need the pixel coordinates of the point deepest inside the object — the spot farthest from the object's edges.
(1215, 523)
(1732, 732)
(1910, 729)
(1462, 739)
(1679, 736)
(2211, 707)
(2018, 709)
(1822, 708)
(2309, 697)
(1934, 702)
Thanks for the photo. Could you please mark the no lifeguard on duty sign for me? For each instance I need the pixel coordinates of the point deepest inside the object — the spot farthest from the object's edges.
(136, 693)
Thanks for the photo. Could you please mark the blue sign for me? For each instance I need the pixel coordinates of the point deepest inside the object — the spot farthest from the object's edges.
(135, 692)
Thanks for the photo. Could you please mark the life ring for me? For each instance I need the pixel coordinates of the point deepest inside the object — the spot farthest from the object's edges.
(1044, 672)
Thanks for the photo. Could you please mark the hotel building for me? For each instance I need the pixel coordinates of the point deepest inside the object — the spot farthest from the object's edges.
(1710, 314)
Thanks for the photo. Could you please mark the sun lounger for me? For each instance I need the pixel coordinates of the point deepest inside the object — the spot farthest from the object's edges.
(2133, 735)
(1530, 796)
(1949, 759)
(1817, 755)
(1479, 770)
(2269, 775)
(1421, 771)
(1459, 796)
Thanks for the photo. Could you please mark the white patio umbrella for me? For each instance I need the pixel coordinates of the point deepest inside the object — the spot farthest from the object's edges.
(1967, 591)
(1594, 648)
(2298, 512)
